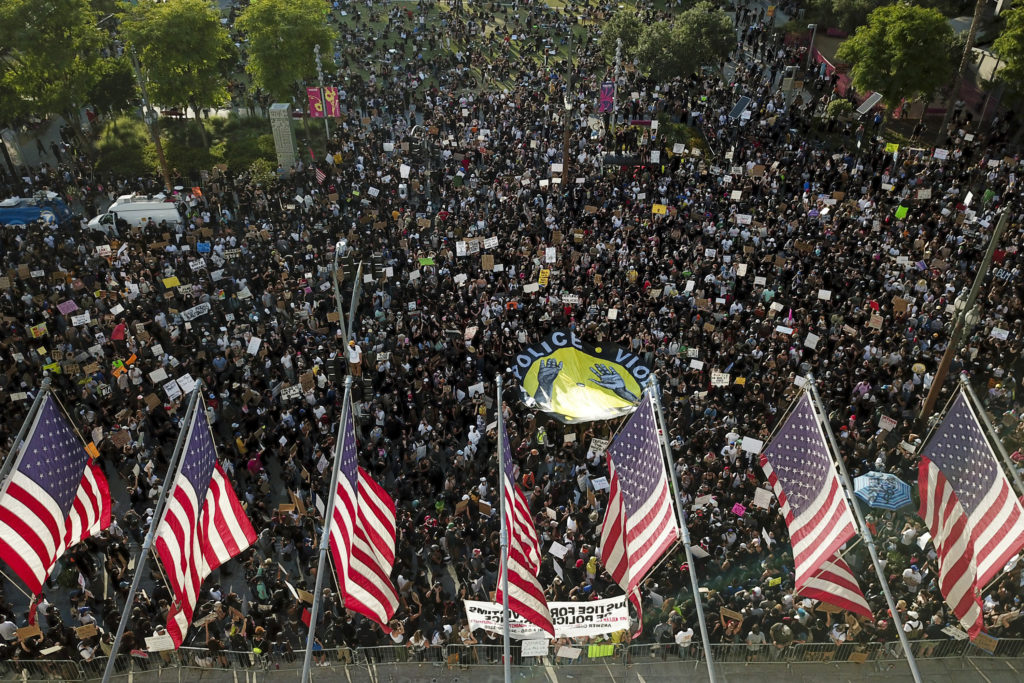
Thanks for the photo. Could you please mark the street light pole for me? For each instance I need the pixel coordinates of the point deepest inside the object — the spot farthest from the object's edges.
(965, 59)
(320, 84)
(152, 121)
(810, 48)
(567, 102)
(615, 92)
(961, 317)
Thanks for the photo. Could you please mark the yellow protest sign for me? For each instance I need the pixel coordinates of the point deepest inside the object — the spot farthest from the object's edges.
(891, 148)
(38, 330)
(544, 275)
(659, 209)
(91, 449)
(172, 281)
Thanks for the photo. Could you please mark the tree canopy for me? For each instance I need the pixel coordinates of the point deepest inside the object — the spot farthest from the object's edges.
(904, 51)
(698, 37)
(281, 35)
(183, 48)
(1010, 48)
(624, 24)
(49, 56)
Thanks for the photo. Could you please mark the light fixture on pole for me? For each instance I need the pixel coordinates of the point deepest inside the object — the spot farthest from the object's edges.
(320, 85)
(810, 48)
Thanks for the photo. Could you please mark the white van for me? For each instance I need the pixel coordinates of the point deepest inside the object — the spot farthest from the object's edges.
(137, 210)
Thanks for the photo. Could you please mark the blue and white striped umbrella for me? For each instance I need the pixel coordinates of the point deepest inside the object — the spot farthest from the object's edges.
(882, 490)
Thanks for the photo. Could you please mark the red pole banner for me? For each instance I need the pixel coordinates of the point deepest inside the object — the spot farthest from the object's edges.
(316, 105)
(331, 104)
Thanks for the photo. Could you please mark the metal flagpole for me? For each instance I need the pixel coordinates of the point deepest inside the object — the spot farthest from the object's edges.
(983, 418)
(325, 536)
(865, 531)
(652, 388)
(506, 646)
(337, 290)
(147, 544)
(12, 456)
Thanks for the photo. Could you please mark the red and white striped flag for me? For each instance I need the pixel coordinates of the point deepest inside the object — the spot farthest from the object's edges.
(54, 498)
(803, 477)
(976, 521)
(203, 525)
(639, 526)
(362, 536)
(320, 175)
(525, 595)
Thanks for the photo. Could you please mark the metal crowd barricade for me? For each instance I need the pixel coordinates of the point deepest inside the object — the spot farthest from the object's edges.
(459, 657)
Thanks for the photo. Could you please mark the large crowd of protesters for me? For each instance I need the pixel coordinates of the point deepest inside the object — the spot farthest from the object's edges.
(776, 227)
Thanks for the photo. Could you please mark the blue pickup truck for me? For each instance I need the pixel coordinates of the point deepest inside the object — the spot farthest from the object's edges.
(47, 207)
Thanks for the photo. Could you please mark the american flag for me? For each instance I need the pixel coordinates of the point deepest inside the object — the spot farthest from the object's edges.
(639, 526)
(363, 536)
(203, 524)
(525, 596)
(320, 175)
(54, 498)
(803, 476)
(976, 521)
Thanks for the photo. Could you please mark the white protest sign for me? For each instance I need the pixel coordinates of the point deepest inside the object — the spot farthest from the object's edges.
(79, 320)
(186, 383)
(751, 445)
(887, 423)
(159, 643)
(550, 255)
(762, 498)
(195, 311)
(570, 619)
(558, 550)
(172, 390)
(535, 647)
(812, 340)
(254, 345)
(600, 484)
(719, 379)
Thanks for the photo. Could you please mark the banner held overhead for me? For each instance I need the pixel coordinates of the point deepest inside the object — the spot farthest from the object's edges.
(579, 382)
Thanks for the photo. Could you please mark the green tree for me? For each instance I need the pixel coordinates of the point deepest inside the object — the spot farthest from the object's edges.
(182, 47)
(624, 24)
(702, 35)
(115, 90)
(281, 35)
(1010, 48)
(49, 56)
(903, 51)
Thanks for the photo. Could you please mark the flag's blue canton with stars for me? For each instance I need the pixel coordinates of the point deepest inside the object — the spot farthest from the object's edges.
(506, 451)
(638, 458)
(54, 457)
(349, 463)
(960, 450)
(799, 457)
(199, 459)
